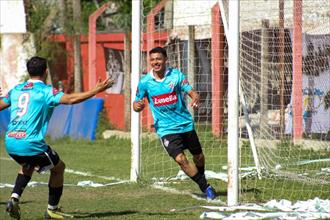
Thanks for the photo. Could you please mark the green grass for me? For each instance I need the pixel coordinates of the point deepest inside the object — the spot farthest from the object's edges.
(111, 158)
(101, 158)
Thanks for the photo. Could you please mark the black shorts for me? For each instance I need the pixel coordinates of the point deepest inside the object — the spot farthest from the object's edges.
(175, 144)
(41, 162)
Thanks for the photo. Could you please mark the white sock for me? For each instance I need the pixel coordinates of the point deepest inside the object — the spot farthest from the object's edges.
(15, 195)
(51, 207)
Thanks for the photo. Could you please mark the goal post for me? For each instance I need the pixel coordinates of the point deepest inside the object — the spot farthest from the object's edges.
(233, 103)
(136, 69)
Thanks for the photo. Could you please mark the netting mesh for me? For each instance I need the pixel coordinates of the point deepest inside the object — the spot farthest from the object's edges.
(196, 43)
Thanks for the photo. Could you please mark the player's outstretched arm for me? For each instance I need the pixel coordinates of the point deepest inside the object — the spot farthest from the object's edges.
(82, 96)
(3, 105)
(194, 98)
(138, 105)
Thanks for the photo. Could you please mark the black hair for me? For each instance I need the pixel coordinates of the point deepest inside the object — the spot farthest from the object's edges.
(158, 50)
(36, 66)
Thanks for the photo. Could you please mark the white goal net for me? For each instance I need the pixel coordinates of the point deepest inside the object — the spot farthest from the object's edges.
(285, 101)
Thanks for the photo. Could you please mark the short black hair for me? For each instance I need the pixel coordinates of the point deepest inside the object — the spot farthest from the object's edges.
(36, 66)
(158, 50)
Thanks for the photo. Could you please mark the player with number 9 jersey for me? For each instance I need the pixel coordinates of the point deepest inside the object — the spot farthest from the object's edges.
(32, 104)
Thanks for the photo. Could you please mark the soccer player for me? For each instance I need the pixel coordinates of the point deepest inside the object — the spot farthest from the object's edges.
(164, 88)
(31, 106)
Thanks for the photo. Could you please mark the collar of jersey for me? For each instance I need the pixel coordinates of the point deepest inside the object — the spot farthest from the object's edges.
(167, 71)
(35, 81)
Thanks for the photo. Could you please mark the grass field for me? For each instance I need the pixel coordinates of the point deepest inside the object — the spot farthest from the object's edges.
(102, 158)
(108, 161)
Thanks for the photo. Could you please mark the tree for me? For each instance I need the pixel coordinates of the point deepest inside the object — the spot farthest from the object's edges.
(76, 8)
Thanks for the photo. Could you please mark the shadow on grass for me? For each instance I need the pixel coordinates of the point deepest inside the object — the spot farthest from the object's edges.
(111, 213)
(102, 214)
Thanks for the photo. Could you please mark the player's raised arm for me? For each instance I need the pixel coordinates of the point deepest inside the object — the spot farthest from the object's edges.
(82, 96)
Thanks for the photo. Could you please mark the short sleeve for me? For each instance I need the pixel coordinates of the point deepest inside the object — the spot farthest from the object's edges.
(6, 99)
(53, 96)
(185, 86)
(141, 92)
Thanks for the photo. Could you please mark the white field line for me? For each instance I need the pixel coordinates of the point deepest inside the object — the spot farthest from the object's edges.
(75, 172)
(180, 192)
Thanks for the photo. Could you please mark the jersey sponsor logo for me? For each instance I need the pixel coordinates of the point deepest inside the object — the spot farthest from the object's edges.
(19, 122)
(29, 85)
(17, 134)
(165, 99)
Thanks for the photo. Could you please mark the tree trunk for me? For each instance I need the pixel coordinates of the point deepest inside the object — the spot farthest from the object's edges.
(76, 8)
(62, 15)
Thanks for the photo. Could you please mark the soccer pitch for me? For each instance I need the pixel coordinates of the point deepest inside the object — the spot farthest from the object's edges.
(107, 162)
(104, 162)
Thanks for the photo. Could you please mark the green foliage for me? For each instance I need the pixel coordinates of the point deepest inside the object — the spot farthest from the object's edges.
(37, 13)
(87, 8)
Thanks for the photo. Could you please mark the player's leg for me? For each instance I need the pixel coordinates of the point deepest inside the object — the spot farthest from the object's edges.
(199, 161)
(55, 186)
(191, 142)
(51, 161)
(186, 166)
(174, 144)
(22, 179)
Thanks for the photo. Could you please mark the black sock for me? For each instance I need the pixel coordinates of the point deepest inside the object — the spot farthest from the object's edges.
(55, 194)
(201, 181)
(20, 184)
(201, 169)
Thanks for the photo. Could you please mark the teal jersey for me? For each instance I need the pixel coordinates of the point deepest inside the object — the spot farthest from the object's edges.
(31, 106)
(166, 100)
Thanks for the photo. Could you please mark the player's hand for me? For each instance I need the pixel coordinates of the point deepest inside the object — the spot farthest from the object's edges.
(139, 105)
(103, 85)
(195, 102)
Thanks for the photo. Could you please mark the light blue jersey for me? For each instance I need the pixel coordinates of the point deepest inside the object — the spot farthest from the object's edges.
(31, 106)
(166, 101)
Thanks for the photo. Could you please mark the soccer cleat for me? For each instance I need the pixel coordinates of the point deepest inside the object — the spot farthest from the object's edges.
(53, 214)
(56, 214)
(13, 209)
(210, 193)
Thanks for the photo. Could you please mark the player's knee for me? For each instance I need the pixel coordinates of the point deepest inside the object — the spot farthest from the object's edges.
(181, 160)
(59, 168)
(28, 171)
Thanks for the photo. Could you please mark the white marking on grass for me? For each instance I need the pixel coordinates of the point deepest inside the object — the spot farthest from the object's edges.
(80, 173)
(5, 158)
(183, 192)
(81, 183)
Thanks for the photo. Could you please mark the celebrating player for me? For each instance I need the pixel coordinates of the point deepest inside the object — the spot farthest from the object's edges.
(164, 88)
(31, 106)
